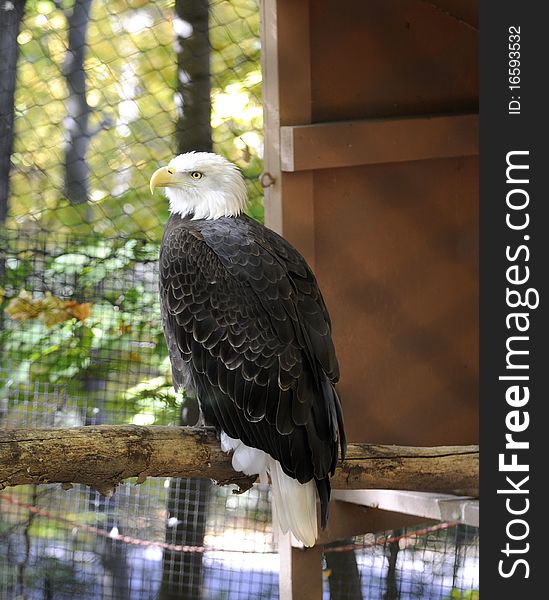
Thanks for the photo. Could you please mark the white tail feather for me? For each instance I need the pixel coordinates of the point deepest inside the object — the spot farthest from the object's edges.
(294, 503)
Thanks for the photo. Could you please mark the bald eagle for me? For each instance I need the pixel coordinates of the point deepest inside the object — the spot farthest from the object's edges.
(248, 332)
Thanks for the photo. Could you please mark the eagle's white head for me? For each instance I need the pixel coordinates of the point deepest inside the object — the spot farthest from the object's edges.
(202, 184)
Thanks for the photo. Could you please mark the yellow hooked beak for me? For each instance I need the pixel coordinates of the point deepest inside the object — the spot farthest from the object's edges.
(163, 177)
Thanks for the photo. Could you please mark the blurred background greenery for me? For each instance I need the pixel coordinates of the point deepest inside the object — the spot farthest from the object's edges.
(105, 92)
(130, 66)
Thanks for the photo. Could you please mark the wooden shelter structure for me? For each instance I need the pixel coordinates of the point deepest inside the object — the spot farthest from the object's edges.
(371, 171)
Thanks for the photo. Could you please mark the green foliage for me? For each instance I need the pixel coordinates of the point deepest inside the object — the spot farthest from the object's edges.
(458, 594)
(120, 343)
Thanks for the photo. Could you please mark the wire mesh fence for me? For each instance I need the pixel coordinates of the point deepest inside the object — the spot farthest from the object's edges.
(432, 562)
(104, 93)
(108, 364)
(107, 91)
(57, 544)
(77, 544)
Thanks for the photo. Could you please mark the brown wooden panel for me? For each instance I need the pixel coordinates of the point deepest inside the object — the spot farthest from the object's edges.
(350, 143)
(391, 57)
(396, 257)
(394, 245)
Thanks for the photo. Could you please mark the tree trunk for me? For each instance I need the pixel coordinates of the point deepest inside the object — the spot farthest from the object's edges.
(344, 580)
(192, 100)
(77, 133)
(113, 553)
(11, 15)
(187, 505)
(391, 590)
(188, 500)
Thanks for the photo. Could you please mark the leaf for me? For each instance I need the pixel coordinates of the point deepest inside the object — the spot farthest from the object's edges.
(80, 311)
(23, 307)
(54, 310)
(50, 309)
(124, 328)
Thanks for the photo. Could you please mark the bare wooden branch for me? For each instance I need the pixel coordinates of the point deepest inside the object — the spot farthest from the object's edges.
(103, 456)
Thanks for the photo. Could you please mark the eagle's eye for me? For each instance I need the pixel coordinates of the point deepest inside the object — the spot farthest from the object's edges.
(197, 175)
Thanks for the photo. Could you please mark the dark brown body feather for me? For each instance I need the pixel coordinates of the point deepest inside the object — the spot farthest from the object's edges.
(248, 331)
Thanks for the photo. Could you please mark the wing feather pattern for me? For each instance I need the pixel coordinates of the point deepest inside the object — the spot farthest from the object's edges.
(247, 328)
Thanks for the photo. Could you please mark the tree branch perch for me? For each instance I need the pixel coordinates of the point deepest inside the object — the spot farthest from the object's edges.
(104, 455)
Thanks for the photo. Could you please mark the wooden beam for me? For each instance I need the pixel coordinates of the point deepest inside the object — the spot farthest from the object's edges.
(271, 114)
(301, 568)
(438, 507)
(373, 141)
(104, 455)
(286, 68)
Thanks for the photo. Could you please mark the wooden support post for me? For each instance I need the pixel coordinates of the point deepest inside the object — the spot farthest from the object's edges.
(301, 568)
(286, 66)
(300, 575)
